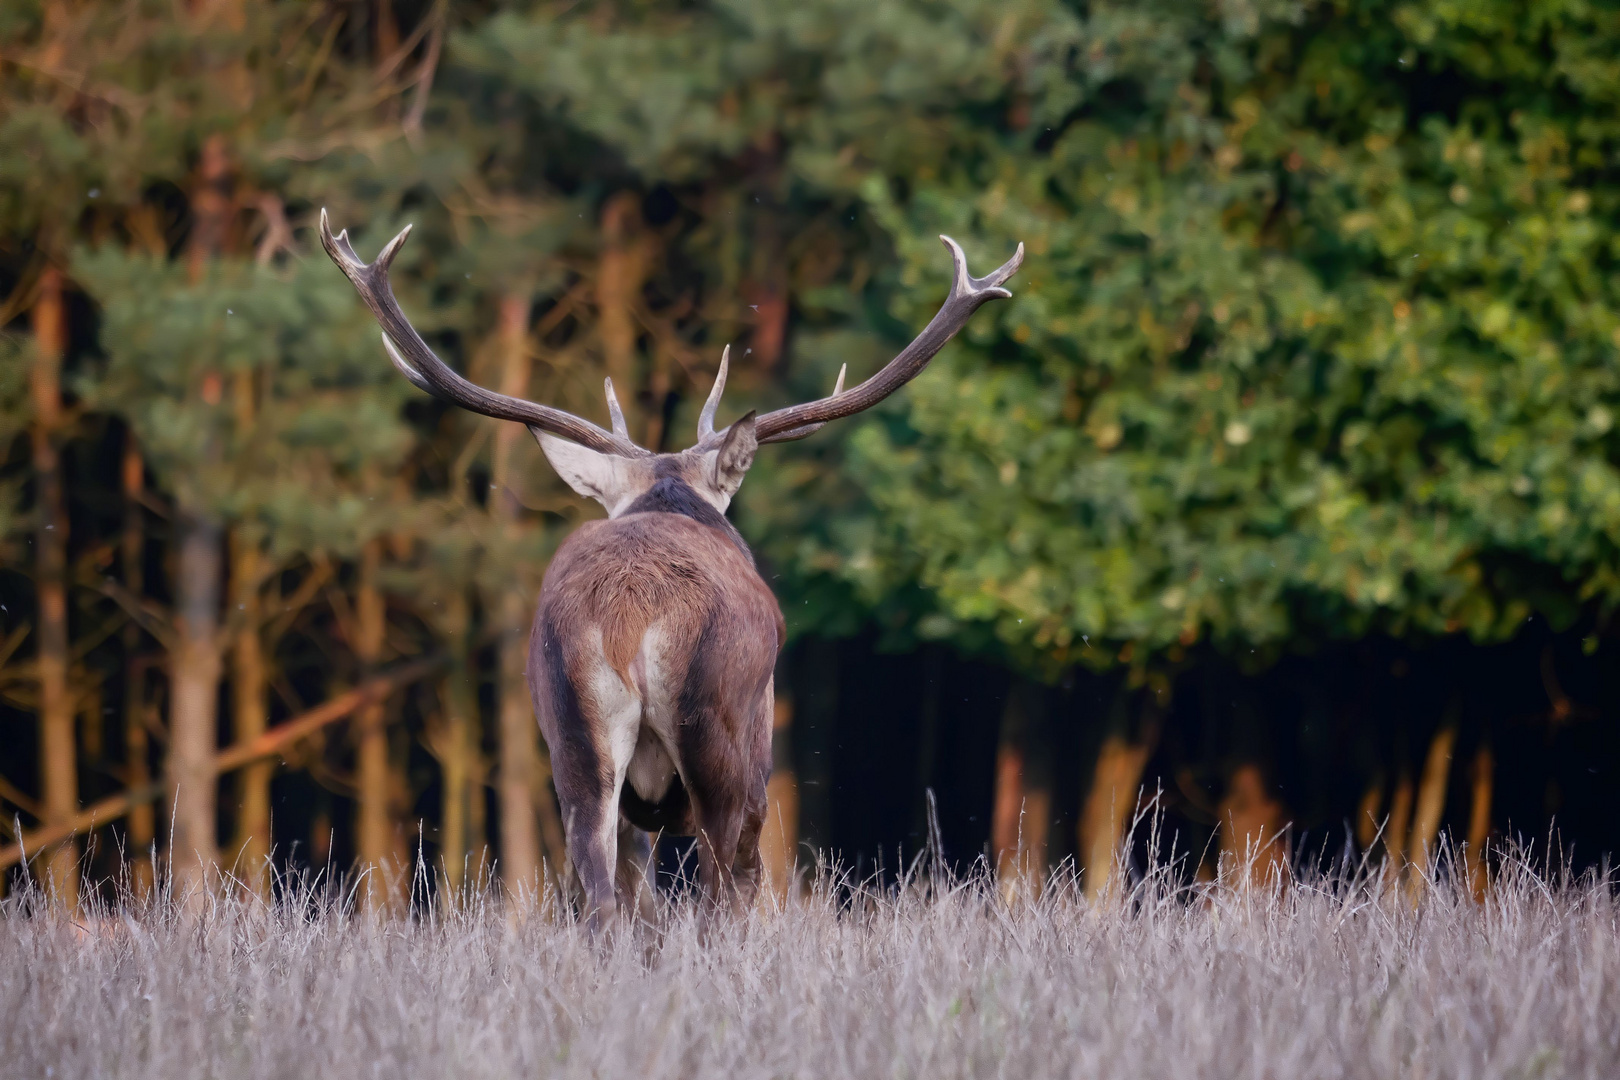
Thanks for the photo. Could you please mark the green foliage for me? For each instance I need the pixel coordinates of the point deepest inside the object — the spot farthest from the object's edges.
(1316, 336)
(256, 393)
(1321, 345)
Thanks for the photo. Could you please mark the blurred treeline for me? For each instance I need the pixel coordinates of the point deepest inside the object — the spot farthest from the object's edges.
(1285, 485)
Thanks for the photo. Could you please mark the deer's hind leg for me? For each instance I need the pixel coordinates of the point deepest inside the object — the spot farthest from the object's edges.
(757, 769)
(728, 804)
(719, 824)
(589, 718)
(590, 820)
(747, 867)
(725, 748)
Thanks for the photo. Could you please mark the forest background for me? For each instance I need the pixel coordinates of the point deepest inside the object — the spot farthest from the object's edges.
(1284, 489)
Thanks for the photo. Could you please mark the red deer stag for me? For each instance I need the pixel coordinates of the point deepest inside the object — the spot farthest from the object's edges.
(652, 655)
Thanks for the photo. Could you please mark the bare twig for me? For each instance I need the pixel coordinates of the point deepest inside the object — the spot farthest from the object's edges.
(412, 125)
(322, 55)
(406, 47)
(88, 643)
(11, 794)
(148, 615)
(287, 612)
(278, 234)
(24, 292)
(13, 642)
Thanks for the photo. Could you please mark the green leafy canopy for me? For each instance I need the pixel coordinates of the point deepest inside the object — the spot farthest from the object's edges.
(1317, 335)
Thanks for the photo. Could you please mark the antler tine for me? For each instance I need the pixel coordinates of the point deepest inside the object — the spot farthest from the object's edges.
(712, 406)
(616, 414)
(338, 247)
(385, 257)
(403, 366)
(811, 429)
(988, 286)
(418, 363)
(967, 295)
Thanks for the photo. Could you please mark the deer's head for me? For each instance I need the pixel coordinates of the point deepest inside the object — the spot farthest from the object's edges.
(606, 465)
(713, 468)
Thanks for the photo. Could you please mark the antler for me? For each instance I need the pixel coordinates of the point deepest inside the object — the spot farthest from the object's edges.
(711, 406)
(427, 372)
(968, 294)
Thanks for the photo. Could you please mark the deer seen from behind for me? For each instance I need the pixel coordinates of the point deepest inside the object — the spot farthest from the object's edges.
(653, 649)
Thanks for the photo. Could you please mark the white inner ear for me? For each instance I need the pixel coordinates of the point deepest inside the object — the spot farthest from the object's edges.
(607, 478)
(721, 485)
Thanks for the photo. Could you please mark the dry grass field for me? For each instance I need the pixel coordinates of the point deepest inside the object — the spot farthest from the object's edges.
(1337, 978)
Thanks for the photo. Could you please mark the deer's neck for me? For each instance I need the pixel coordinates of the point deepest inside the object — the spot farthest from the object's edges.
(671, 495)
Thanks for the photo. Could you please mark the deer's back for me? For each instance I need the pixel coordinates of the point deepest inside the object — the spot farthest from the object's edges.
(667, 603)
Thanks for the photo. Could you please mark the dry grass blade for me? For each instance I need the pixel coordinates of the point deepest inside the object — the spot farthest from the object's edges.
(1332, 977)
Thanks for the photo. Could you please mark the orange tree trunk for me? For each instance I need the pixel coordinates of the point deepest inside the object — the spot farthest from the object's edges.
(1398, 826)
(779, 841)
(58, 766)
(1115, 785)
(620, 273)
(1251, 824)
(517, 780)
(142, 822)
(1021, 809)
(377, 828)
(1431, 805)
(1479, 821)
(194, 709)
(249, 719)
(454, 741)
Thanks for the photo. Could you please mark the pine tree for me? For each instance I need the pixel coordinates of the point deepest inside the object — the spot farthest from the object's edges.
(235, 364)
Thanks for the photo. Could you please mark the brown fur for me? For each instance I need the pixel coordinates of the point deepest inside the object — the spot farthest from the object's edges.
(694, 587)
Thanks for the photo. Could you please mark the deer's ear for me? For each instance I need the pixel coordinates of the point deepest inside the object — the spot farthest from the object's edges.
(604, 477)
(735, 455)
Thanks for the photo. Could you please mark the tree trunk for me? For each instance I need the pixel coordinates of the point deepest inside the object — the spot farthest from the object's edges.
(378, 842)
(1399, 824)
(1431, 805)
(250, 717)
(518, 732)
(1372, 801)
(385, 31)
(1007, 806)
(520, 833)
(551, 829)
(1107, 811)
(779, 841)
(59, 781)
(767, 291)
(196, 663)
(1479, 821)
(211, 207)
(455, 744)
(194, 709)
(137, 749)
(1022, 807)
(1251, 824)
(92, 727)
(620, 274)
